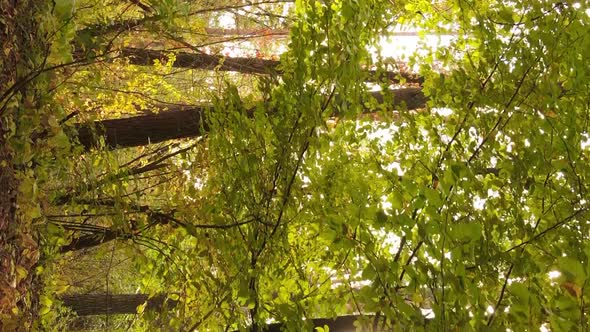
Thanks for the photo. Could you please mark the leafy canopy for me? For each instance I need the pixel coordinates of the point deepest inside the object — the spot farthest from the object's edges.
(457, 215)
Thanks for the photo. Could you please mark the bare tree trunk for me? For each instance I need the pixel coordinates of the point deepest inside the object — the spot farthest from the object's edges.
(218, 32)
(168, 125)
(144, 129)
(285, 32)
(113, 304)
(87, 241)
(146, 57)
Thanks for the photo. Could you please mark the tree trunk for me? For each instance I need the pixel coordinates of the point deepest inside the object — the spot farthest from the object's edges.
(168, 125)
(144, 129)
(146, 57)
(219, 32)
(87, 241)
(113, 304)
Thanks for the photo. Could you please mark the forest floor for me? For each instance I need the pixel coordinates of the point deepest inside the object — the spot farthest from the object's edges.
(19, 251)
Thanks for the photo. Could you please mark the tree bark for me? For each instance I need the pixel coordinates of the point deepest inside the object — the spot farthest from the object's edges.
(87, 241)
(146, 57)
(117, 304)
(247, 32)
(144, 129)
(113, 304)
(168, 125)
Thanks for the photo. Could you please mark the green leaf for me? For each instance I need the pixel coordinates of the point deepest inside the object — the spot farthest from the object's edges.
(466, 231)
(64, 8)
(573, 268)
(520, 291)
(381, 217)
(60, 140)
(396, 199)
(433, 197)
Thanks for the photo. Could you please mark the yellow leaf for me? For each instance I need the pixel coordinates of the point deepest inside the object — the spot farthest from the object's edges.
(550, 114)
(141, 308)
(21, 273)
(573, 289)
(44, 310)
